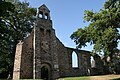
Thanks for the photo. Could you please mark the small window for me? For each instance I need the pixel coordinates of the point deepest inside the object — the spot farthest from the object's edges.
(48, 32)
(42, 31)
(92, 62)
(46, 16)
(74, 60)
(40, 14)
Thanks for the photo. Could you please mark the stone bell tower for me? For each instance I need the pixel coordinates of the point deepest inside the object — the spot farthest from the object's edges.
(36, 57)
(45, 54)
(42, 55)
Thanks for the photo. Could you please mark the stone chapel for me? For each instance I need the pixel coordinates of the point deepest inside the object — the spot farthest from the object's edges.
(43, 56)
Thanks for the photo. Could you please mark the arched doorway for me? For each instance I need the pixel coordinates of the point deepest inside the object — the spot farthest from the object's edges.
(45, 72)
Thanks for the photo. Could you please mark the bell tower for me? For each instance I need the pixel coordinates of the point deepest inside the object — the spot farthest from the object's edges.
(43, 12)
(42, 55)
(46, 57)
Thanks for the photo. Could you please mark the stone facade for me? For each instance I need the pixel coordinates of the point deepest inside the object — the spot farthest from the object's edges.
(97, 66)
(42, 55)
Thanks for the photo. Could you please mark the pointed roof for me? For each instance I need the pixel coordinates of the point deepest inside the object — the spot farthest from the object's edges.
(43, 7)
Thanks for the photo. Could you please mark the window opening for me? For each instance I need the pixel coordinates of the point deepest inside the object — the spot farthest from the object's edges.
(40, 15)
(92, 62)
(74, 60)
(46, 16)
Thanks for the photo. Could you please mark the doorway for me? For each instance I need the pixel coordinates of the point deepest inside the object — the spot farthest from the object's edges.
(45, 72)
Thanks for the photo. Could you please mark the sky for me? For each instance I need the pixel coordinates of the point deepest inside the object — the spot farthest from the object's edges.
(67, 16)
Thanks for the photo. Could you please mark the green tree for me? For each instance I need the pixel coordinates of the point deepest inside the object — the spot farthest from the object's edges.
(14, 26)
(102, 32)
(4, 38)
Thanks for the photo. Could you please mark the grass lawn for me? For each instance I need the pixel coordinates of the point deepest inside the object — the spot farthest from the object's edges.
(100, 77)
(76, 78)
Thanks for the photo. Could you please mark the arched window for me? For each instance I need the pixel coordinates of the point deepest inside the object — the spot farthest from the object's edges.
(46, 16)
(92, 62)
(74, 60)
(40, 14)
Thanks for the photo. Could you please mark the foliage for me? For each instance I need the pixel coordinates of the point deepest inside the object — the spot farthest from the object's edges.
(4, 38)
(102, 32)
(16, 22)
(12, 1)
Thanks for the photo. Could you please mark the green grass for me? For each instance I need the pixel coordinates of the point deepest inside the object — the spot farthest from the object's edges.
(82, 78)
(79, 78)
(76, 78)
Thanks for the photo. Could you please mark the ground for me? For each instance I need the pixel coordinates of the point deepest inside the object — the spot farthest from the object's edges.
(100, 77)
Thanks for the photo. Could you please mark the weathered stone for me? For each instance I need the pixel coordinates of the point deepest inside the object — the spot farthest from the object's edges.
(42, 55)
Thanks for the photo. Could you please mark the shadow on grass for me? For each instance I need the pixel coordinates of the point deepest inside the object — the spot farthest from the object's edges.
(116, 79)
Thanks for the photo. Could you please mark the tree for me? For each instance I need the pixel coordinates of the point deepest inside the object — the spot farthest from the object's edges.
(102, 32)
(15, 25)
(4, 38)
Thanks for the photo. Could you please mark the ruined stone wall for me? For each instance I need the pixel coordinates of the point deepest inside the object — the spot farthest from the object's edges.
(65, 61)
(48, 51)
(97, 65)
(27, 58)
(116, 61)
(17, 62)
(62, 58)
(83, 62)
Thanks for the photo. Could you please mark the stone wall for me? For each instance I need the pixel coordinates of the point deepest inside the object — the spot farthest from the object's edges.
(62, 58)
(17, 62)
(98, 68)
(83, 62)
(26, 70)
(65, 61)
(43, 50)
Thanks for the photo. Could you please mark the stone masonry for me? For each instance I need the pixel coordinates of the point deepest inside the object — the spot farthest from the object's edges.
(43, 56)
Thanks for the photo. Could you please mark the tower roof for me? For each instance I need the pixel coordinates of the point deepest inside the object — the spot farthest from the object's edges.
(43, 7)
